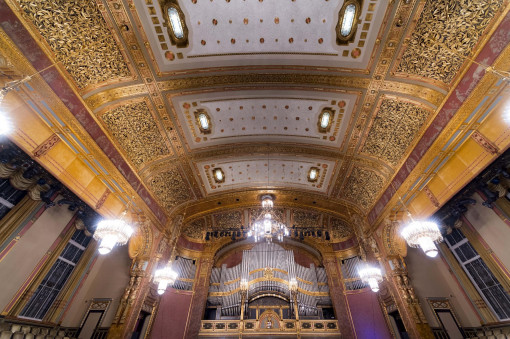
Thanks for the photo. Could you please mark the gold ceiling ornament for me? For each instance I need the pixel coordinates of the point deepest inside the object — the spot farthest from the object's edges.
(80, 38)
(135, 130)
(458, 27)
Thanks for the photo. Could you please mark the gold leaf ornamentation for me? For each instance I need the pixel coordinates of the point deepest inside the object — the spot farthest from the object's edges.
(394, 129)
(363, 186)
(135, 130)
(194, 229)
(446, 26)
(228, 220)
(305, 219)
(339, 228)
(78, 35)
(169, 187)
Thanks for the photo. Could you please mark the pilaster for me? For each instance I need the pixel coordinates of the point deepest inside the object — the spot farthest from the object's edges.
(337, 294)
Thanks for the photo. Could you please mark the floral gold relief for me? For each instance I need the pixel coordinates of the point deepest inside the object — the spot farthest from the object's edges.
(446, 26)
(135, 130)
(394, 129)
(363, 186)
(80, 39)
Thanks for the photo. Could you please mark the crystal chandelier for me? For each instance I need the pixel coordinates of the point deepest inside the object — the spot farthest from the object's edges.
(165, 276)
(423, 234)
(266, 224)
(111, 233)
(372, 276)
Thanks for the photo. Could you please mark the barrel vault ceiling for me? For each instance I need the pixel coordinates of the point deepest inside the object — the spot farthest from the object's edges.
(263, 71)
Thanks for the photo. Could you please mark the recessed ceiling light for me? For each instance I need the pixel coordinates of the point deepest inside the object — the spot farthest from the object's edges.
(219, 175)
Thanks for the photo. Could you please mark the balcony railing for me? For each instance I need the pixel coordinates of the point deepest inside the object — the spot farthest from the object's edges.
(288, 326)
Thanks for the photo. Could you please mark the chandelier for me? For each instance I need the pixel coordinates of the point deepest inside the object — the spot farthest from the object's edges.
(423, 234)
(372, 276)
(111, 233)
(165, 276)
(267, 225)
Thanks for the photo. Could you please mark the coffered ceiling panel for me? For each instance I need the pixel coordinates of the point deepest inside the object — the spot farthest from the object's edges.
(252, 172)
(229, 33)
(265, 116)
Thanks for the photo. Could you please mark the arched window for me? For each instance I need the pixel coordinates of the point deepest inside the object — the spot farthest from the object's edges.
(348, 21)
(175, 23)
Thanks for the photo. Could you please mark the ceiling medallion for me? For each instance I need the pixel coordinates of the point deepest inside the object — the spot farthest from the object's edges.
(267, 225)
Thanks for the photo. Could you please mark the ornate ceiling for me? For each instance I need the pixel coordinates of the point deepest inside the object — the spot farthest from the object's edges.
(263, 71)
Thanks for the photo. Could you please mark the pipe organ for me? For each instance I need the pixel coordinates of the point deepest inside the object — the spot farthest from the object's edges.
(268, 269)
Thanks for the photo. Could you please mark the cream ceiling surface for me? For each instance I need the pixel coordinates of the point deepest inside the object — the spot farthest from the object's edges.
(265, 116)
(253, 32)
(284, 172)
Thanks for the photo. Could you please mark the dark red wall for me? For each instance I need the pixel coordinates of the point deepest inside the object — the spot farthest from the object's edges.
(367, 315)
(172, 315)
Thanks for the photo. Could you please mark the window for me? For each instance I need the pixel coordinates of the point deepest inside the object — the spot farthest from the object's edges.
(9, 197)
(347, 21)
(54, 281)
(480, 275)
(175, 23)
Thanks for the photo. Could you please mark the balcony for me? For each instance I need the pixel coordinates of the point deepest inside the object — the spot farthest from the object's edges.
(306, 328)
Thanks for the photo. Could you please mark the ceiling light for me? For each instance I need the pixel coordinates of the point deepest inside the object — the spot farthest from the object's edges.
(267, 201)
(423, 234)
(325, 120)
(313, 174)
(348, 20)
(219, 176)
(203, 120)
(267, 225)
(111, 233)
(175, 22)
(372, 276)
(164, 277)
